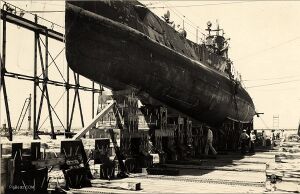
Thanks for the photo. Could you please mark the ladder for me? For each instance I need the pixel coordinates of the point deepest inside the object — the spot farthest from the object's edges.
(25, 109)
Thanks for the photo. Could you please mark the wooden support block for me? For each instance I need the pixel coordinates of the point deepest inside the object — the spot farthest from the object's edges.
(73, 149)
(287, 157)
(285, 170)
(77, 178)
(131, 165)
(16, 147)
(107, 170)
(101, 153)
(16, 153)
(35, 150)
(134, 186)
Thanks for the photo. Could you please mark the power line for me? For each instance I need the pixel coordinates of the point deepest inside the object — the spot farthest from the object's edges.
(263, 79)
(50, 11)
(279, 89)
(183, 18)
(276, 83)
(190, 23)
(176, 10)
(24, 11)
(264, 123)
(269, 48)
(201, 5)
(62, 5)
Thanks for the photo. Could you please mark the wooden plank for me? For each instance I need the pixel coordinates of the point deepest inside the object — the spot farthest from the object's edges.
(282, 166)
(291, 150)
(290, 144)
(287, 171)
(212, 167)
(49, 162)
(287, 157)
(287, 175)
(123, 185)
(283, 186)
(84, 130)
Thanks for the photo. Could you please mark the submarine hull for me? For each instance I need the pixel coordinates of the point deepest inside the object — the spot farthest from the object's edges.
(120, 57)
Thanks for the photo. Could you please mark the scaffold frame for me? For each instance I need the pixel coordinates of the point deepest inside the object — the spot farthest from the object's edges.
(9, 15)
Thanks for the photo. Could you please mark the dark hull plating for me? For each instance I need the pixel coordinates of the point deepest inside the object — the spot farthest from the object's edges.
(119, 56)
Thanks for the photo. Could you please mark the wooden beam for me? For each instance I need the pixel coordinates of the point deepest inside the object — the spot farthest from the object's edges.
(97, 118)
(49, 162)
(122, 185)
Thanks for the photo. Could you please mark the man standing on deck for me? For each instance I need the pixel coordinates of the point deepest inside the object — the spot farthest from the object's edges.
(243, 140)
(209, 143)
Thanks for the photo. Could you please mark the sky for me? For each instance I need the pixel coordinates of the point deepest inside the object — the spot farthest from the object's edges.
(264, 46)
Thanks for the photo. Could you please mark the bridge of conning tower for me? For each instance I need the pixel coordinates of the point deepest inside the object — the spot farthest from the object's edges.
(217, 44)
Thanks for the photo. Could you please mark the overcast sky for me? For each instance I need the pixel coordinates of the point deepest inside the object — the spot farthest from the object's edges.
(264, 46)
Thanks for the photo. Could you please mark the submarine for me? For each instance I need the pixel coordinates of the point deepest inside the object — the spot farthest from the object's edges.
(122, 44)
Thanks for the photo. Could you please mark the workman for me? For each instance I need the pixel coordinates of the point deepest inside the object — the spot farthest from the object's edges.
(263, 138)
(209, 143)
(244, 137)
(282, 137)
(252, 142)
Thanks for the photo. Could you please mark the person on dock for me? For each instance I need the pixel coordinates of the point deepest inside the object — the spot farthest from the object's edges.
(263, 138)
(244, 137)
(252, 142)
(282, 136)
(273, 144)
(209, 143)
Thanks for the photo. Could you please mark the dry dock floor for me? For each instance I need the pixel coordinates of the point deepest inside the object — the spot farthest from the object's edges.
(226, 174)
